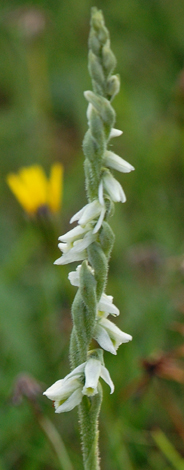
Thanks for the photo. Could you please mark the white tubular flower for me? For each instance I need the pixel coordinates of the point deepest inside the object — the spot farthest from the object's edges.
(73, 276)
(115, 133)
(106, 306)
(74, 234)
(117, 163)
(113, 188)
(77, 251)
(83, 380)
(93, 371)
(67, 393)
(109, 336)
(90, 212)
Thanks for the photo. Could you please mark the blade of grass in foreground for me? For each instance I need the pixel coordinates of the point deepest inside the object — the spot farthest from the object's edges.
(168, 449)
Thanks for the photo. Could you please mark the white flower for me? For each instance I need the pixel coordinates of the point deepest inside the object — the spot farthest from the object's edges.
(74, 243)
(115, 133)
(93, 371)
(109, 336)
(75, 234)
(83, 380)
(67, 393)
(91, 211)
(117, 163)
(113, 188)
(77, 250)
(73, 276)
(106, 306)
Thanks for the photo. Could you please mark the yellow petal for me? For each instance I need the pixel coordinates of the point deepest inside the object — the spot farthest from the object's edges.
(36, 182)
(30, 187)
(55, 187)
(21, 192)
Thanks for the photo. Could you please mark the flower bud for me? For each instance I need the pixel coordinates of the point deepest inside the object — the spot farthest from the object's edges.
(108, 58)
(103, 107)
(113, 85)
(96, 71)
(106, 238)
(94, 43)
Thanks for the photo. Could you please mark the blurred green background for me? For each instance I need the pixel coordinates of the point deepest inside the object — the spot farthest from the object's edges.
(43, 74)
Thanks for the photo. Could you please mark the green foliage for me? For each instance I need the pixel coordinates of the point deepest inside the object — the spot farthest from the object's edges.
(43, 120)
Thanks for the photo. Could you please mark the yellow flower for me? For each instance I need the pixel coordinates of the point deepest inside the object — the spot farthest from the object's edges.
(34, 190)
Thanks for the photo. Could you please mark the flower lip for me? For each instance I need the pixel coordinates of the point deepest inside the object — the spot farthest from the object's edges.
(113, 187)
(108, 335)
(117, 163)
(72, 401)
(106, 305)
(92, 374)
(115, 133)
(74, 234)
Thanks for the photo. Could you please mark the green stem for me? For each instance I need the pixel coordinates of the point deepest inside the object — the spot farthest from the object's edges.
(88, 415)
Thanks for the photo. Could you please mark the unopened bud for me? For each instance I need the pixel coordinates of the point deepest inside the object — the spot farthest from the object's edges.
(95, 70)
(109, 60)
(103, 107)
(94, 43)
(113, 85)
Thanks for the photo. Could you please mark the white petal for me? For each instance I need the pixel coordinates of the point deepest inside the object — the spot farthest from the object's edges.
(71, 257)
(106, 305)
(113, 188)
(92, 210)
(80, 245)
(77, 215)
(100, 220)
(100, 194)
(70, 403)
(88, 112)
(64, 247)
(92, 373)
(73, 234)
(76, 372)
(106, 377)
(117, 163)
(115, 133)
(73, 276)
(78, 250)
(103, 339)
(52, 391)
(62, 389)
(118, 337)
